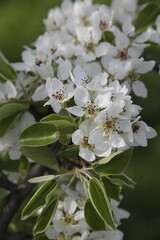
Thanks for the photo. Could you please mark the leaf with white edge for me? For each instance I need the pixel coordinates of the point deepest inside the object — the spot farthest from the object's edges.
(39, 134)
(65, 126)
(71, 152)
(58, 121)
(122, 179)
(92, 217)
(45, 217)
(116, 165)
(12, 107)
(106, 159)
(39, 199)
(42, 155)
(65, 135)
(100, 202)
(113, 190)
(41, 179)
(7, 72)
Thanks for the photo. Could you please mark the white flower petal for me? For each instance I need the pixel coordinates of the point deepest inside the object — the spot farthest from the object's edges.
(10, 90)
(14, 154)
(77, 137)
(140, 138)
(144, 36)
(81, 96)
(79, 75)
(87, 155)
(103, 99)
(56, 106)
(122, 41)
(145, 66)
(92, 69)
(19, 66)
(40, 93)
(124, 126)
(70, 205)
(64, 70)
(116, 140)
(51, 233)
(76, 110)
(96, 135)
(139, 89)
(152, 133)
(101, 50)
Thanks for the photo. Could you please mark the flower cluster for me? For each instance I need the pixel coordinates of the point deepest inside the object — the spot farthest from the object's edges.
(69, 221)
(92, 54)
(83, 69)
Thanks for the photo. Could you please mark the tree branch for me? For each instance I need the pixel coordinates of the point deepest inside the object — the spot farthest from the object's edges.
(16, 236)
(6, 184)
(15, 199)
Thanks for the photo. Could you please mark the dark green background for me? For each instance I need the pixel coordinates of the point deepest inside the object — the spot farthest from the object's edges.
(20, 24)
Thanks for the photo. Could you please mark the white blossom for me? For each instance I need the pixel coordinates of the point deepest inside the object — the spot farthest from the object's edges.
(7, 91)
(58, 93)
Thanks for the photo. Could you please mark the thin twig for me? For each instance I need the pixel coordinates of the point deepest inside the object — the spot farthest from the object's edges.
(6, 184)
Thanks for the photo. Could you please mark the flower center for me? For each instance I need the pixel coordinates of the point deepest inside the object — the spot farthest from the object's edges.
(103, 25)
(85, 143)
(89, 47)
(86, 80)
(132, 76)
(123, 55)
(109, 126)
(91, 110)
(85, 22)
(63, 237)
(38, 62)
(68, 219)
(59, 95)
(135, 127)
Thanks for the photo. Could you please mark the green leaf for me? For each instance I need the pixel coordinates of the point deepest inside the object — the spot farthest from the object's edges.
(28, 224)
(12, 107)
(7, 123)
(39, 134)
(65, 126)
(7, 164)
(42, 155)
(45, 217)
(58, 121)
(39, 199)
(106, 159)
(116, 165)
(105, 2)
(122, 179)
(108, 37)
(100, 202)
(152, 52)
(147, 16)
(146, 1)
(6, 70)
(92, 217)
(113, 190)
(71, 152)
(41, 179)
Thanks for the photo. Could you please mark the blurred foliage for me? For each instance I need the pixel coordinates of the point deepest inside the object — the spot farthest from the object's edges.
(21, 23)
